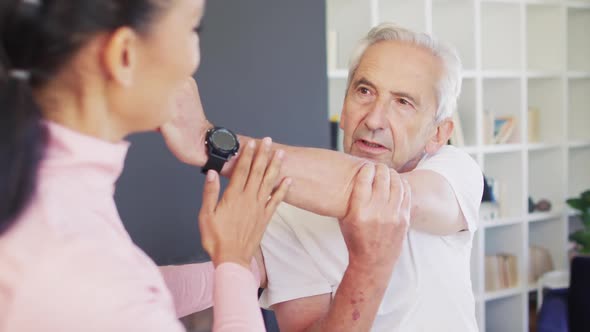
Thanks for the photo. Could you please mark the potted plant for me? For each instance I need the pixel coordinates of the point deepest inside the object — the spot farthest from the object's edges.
(582, 237)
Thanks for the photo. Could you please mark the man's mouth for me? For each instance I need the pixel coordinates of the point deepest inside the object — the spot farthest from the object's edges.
(372, 144)
(371, 147)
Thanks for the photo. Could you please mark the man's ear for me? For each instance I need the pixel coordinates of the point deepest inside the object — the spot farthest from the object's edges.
(120, 56)
(443, 131)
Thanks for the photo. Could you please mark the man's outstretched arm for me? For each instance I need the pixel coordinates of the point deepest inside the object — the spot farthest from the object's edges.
(322, 179)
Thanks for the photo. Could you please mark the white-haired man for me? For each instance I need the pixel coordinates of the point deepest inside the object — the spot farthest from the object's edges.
(360, 268)
(402, 90)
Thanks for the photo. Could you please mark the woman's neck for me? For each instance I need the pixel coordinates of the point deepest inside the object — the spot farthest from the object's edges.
(82, 108)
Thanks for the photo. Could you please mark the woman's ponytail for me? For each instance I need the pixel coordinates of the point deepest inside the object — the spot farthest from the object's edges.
(22, 137)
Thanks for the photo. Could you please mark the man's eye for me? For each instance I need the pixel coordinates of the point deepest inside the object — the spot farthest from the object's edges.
(364, 91)
(404, 102)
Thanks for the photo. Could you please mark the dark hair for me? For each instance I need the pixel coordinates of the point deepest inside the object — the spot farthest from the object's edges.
(37, 38)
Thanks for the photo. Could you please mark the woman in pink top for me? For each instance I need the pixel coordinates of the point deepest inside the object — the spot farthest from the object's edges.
(76, 77)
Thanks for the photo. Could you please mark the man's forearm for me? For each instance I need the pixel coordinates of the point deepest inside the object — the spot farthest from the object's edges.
(322, 179)
(357, 300)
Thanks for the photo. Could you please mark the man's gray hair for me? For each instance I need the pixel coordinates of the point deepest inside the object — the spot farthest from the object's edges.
(449, 86)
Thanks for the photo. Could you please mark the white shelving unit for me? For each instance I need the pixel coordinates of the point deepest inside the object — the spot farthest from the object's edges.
(516, 54)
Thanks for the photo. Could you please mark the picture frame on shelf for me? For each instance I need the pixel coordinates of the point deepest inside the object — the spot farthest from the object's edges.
(503, 129)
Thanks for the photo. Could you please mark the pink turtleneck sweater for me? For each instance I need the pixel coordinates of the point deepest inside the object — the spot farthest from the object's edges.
(69, 265)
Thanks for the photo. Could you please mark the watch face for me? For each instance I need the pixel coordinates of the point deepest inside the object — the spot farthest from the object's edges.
(223, 140)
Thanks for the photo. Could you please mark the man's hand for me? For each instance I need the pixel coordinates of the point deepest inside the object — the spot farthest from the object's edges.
(185, 132)
(374, 230)
(378, 217)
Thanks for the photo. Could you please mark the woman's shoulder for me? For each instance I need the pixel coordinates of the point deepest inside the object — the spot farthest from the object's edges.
(79, 279)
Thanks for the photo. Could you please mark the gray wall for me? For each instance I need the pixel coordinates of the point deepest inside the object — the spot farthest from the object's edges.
(262, 74)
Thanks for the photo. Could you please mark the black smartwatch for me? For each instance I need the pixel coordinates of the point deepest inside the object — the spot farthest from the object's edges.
(221, 144)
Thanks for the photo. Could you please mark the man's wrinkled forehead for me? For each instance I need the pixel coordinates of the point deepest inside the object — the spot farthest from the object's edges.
(400, 67)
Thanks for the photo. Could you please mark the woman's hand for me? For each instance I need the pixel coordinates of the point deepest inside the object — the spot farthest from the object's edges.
(185, 132)
(232, 228)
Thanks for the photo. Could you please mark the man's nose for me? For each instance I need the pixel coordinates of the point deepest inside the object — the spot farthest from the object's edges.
(376, 118)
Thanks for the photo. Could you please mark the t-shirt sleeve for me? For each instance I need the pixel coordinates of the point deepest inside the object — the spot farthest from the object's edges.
(465, 177)
(290, 271)
(191, 286)
(236, 305)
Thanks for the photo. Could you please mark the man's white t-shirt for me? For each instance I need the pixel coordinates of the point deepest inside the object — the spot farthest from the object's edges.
(430, 288)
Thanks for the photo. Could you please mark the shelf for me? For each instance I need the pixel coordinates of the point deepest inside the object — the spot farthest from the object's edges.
(578, 24)
(578, 4)
(506, 313)
(336, 93)
(467, 111)
(508, 72)
(542, 146)
(406, 13)
(578, 174)
(500, 294)
(546, 169)
(445, 14)
(544, 26)
(469, 74)
(578, 75)
(501, 74)
(343, 36)
(500, 222)
(581, 144)
(544, 2)
(551, 235)
(338, 74)
(503, 98)
(508, 2)
(501, 40)
(544, 216)
(544, 74)
(546, 103)
(507, 170)
(579, 110)
(501, 148)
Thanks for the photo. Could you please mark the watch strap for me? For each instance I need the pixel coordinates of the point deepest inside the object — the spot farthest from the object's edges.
(215, 163)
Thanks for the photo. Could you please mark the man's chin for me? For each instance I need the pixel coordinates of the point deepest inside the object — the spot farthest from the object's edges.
(371, 157)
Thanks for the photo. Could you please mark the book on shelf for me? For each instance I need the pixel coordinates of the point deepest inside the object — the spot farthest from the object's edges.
(533, 125)
(501, 272)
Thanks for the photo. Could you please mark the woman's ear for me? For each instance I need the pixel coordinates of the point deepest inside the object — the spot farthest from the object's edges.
(120, 56)
(443, 132)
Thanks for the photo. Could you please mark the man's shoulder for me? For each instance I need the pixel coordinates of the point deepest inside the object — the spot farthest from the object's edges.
(447, 151)
(449, 156)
